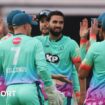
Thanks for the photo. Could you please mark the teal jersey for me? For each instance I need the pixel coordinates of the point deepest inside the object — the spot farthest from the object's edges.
(95, 60)
(92, 38)
(22, 59)
(61, 54)
(2, 80)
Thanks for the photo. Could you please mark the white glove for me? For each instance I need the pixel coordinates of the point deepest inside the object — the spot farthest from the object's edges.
(55, 97)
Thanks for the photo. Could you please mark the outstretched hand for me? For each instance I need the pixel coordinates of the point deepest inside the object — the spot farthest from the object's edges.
(94, 27)
(84, 28)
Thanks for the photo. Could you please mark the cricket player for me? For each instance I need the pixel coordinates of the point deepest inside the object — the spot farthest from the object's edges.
(94, 61)
(62, 53)
(23, 62)
(10, 34)
(43, 25)
(84, 32)
(93, 32)
(43, 22)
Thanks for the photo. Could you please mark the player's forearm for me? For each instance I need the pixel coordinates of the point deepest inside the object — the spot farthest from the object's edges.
(54, 76)
(92, 38)
(46, 77)
(82, 87)
(83, 41)
(83, 45)
(75, 79)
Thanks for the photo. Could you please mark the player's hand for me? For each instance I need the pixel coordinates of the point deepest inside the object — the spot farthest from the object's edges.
(94, 27)
(84, 28)
(55, 97)
(81, 100)
(61, 78)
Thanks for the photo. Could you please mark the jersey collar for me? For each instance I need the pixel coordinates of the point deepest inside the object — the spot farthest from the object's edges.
(57, 39)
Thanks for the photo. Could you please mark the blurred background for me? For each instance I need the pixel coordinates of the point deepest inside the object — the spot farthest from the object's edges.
(74, 10)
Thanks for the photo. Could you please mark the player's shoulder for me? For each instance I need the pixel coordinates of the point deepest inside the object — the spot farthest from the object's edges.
(6, 39)
(66, 37)
(41, 38)
(37, 39)
(69, 40)
(4, 43)
(17, 39)
(97, 46)
(7, 36)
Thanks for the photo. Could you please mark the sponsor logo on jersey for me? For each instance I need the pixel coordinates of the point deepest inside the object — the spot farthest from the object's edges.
(52, 58)
(16, 40)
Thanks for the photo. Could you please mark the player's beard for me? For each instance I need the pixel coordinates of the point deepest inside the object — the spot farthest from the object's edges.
(55, 33)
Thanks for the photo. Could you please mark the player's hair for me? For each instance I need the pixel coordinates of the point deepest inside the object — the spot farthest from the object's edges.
(43, 14)
(52, 13)
(11, 29)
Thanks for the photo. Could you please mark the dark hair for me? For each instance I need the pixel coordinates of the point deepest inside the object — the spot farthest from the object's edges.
(52, 13)
(43, 13)
(10, 28)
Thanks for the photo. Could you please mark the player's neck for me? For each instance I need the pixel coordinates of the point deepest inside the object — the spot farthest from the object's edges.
(20, 32)
(53, 37)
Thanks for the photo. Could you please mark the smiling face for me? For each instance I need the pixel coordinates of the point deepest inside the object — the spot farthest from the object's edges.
(56, 25)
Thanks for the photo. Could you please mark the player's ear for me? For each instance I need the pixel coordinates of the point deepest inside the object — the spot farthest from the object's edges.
(26, 26)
